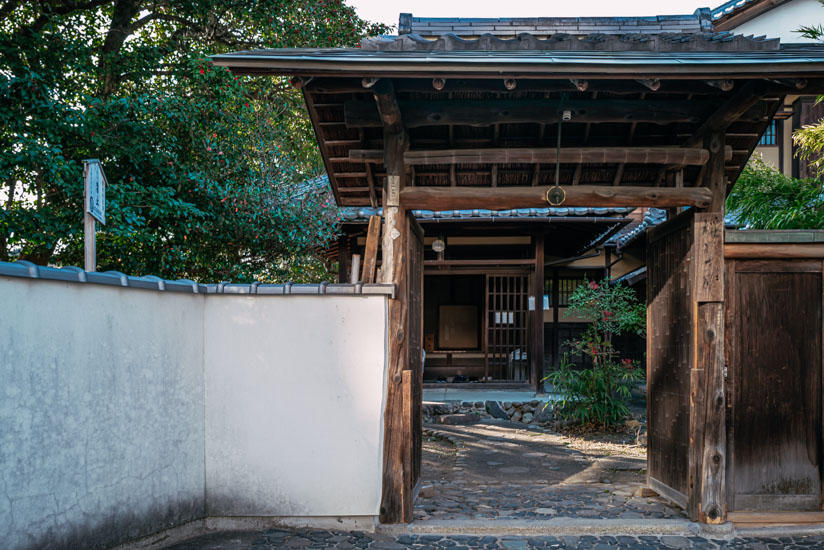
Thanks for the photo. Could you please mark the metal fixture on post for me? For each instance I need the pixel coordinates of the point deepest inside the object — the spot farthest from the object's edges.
(556, 195)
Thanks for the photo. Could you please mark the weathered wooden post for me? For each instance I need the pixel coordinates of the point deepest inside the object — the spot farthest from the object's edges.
(396, 499)
(707, 455)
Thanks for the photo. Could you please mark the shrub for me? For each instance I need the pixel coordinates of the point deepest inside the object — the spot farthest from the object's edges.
(598, 395)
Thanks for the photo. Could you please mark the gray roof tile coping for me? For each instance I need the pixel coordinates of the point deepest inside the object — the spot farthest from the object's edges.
(764, 236)
(73, 274)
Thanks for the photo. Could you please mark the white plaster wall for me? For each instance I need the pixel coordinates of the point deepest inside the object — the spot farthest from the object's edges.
(101, 413)
(295, 396)
(780, 22)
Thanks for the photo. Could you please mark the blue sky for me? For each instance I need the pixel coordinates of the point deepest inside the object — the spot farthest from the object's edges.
(386, 11)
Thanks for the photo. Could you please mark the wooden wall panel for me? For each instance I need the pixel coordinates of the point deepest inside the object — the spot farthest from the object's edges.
(776, 374)
(669, 354)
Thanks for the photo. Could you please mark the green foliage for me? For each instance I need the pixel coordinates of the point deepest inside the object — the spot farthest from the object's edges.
(204, 168)
(595, 396)
(598, 395)
(764, 198)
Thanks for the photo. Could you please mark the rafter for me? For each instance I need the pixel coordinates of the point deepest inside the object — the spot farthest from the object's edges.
(486, 112)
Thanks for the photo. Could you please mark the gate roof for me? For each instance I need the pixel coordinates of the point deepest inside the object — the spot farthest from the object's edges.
(483, 111)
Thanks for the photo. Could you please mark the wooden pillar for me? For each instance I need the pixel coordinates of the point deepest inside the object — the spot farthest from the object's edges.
(707, 455)
(538, 314)
(396, 497)
(343, 258)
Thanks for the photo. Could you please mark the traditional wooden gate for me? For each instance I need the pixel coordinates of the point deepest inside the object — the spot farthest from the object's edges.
(507, 327)
(775, 384)
(669, 338)
(685, 364)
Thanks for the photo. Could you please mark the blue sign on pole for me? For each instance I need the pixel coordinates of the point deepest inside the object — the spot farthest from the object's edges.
(95, 190)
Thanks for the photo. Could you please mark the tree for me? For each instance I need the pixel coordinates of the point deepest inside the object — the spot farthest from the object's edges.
(202, 165)
(764, 198)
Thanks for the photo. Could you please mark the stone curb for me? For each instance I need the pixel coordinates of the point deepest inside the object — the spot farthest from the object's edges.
(555, 527)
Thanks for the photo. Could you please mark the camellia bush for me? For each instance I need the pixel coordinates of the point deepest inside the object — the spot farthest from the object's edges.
(598, 396)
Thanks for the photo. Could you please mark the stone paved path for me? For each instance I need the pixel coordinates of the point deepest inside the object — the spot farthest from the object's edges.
(317, 540)
(498, 469)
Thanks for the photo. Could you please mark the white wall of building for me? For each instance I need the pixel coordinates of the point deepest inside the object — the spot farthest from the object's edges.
(294, 395)
(124, 411)
(780, 22)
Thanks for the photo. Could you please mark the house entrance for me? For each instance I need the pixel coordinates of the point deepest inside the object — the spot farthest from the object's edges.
(477, 327)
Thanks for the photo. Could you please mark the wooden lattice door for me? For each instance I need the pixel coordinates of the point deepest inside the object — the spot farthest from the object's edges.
(507, 328)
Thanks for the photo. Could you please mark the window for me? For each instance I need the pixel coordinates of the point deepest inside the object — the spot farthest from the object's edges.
(566, 286)
(768, 137)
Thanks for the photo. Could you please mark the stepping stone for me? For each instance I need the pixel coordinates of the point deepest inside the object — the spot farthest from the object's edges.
(513, 470)
(546, 511)
(675, 542)
(514, 544)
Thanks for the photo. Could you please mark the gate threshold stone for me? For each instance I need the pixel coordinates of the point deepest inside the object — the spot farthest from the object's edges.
(555, 526)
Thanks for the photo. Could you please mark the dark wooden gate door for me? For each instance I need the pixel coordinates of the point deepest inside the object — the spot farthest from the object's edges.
(775, 361)
(508, 327)
(669, 356)
(415, 343)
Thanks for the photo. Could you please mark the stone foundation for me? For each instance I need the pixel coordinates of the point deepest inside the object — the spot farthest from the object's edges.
(467, 412)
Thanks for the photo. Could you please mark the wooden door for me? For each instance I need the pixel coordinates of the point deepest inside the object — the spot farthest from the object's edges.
(507, 352)
(669, 356)
(775, 441)
(415, 342)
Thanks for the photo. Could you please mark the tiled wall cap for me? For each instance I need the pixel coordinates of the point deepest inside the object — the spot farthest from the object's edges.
(29, 270)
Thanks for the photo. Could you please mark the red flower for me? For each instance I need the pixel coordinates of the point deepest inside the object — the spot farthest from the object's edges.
(593, 285)
(607, 314)
(201, 71)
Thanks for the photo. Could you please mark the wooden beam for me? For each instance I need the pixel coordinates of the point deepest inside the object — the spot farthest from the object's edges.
(674, 157)
(619, 173)
(741, 105)
(723, 85)
(388, 110)
(370, 180)
(549, 155)
(576, 177)
(485, 112)
(797, 83)
(343, 258)
(506, 198)
(774, 250)
(337, 85)
(652, 83)
(370, 255)
(580, 85)
(715, 178)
